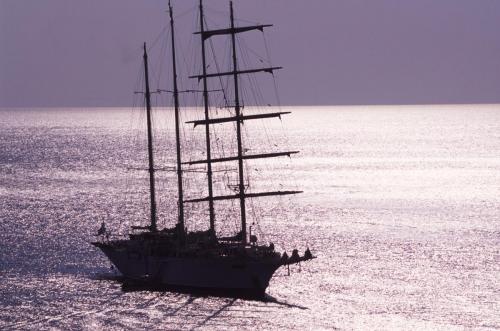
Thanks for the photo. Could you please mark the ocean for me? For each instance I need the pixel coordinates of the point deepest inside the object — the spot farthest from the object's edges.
(401, 205)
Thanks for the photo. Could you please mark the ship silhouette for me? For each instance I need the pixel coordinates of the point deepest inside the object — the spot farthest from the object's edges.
(178, 259)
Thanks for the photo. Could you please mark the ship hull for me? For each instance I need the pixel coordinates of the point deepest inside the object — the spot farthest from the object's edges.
(227, 276)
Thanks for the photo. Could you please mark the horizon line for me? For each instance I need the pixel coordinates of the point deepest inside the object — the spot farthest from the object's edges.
(266, 106)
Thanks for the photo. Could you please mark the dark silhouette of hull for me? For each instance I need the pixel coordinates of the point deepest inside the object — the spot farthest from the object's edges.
(228, 275)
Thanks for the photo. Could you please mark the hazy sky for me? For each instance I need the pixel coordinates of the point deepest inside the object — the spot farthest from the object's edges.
(86, 53)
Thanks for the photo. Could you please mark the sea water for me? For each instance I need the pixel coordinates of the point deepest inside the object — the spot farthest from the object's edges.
(401, 205)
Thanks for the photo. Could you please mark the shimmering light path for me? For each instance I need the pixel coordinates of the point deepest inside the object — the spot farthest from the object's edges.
(401, 205)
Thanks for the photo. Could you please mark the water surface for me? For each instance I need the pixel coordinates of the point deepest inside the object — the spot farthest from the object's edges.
(401, 205)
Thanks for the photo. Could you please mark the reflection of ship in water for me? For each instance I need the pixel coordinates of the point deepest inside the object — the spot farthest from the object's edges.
(177, 258)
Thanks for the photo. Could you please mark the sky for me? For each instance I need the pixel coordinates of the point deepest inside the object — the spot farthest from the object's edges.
(60, 53)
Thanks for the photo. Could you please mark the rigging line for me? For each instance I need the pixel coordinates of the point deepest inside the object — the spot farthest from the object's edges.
(182, 118)
(223, 80)
(255, 210)
(236, 221)
(256, 219)
(212, 23)
(163, 52)
(247, 21)
(186, 91)
(218, 13)
(219, 146)
(245, 64)
(192, 62)
(186, 60)
(258, 96)
(256, 93)
(137, 52)
(268, 53)
(276, 92)
(228, 80)
(225, 14)
(216, 65)
(260, 57)
(278, 100)
(246, 61)
(162, 131)
(138, 83)
(153, 44)
(246, 132)
(251, 78)
(276, 89)
(184, 13)
(127, 179)
(226, 100)
(135, 142)
(252, 82)
(136, 102)
(185, 141)
(221, 100)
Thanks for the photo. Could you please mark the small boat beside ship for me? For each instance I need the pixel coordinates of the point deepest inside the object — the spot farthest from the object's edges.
(201, 260)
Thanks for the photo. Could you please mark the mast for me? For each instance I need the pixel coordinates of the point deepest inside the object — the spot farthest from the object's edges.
(147, 95)
(207, 129)
(238, 117)
(180, 201)
(238, 133)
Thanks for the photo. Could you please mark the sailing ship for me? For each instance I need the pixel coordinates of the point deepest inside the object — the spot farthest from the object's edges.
(200, 260)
